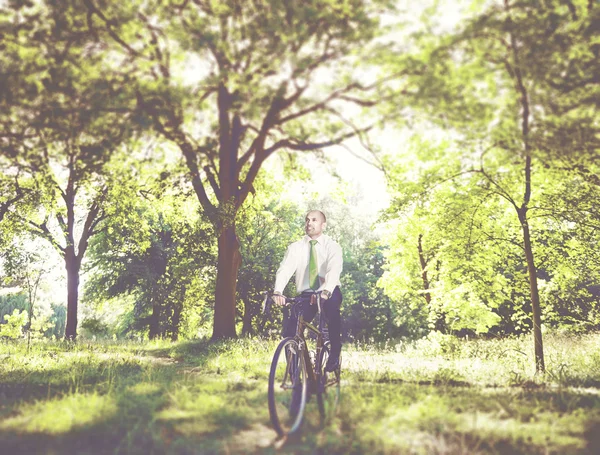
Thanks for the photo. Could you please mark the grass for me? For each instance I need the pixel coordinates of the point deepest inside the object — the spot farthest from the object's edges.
(435, 396)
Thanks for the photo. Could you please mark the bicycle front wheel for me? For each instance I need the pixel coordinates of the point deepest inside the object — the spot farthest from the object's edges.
(287, 387)
(328, 387)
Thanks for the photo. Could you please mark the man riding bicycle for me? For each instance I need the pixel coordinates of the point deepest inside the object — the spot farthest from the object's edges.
(316, 260)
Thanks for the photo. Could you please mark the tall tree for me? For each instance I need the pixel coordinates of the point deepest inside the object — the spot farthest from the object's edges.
(62, 118)
(496, 83)
(231, 82)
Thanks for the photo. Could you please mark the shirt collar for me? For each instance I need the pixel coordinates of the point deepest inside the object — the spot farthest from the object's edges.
(320, 239)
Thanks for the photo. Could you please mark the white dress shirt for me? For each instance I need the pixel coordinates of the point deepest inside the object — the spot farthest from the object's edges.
(297, 256)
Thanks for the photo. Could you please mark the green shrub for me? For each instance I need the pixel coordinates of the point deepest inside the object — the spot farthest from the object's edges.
(14, 324)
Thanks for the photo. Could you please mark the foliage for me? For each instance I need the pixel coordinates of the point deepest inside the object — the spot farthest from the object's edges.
(48, 322)
(92, 327)
(14, 323)
(451, 253)
(497, 189)
(25, 264)
(57, 322)
(155, 250)
(254, 93)
(11, 302)
(116, 115)
(267, 226)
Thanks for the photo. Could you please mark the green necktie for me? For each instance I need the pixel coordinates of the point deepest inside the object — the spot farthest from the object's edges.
(313, 274)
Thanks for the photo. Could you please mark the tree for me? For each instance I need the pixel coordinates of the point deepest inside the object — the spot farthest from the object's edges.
(25, 267)
(569, 253)
(496, 83)
(253, 92)
(11, 192)
(62, 118)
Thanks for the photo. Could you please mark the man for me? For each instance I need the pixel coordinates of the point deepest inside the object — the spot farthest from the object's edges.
(316, 260)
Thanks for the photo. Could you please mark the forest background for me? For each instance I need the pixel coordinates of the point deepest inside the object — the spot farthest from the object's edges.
(158, 158)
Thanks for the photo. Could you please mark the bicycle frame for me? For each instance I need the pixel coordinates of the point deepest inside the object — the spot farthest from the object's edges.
(301, 327)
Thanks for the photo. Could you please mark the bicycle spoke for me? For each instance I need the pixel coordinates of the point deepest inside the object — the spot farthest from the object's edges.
(288, 399)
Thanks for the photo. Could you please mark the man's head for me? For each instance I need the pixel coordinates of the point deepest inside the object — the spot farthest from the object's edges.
(314, 223)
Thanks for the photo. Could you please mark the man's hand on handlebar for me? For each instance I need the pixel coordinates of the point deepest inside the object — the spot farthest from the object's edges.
(279, 299)
(313, 298)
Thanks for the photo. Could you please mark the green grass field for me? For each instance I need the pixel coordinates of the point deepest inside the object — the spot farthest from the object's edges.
(435, 396)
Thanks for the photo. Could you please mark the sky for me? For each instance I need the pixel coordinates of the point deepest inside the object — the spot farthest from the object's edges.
(368, 181)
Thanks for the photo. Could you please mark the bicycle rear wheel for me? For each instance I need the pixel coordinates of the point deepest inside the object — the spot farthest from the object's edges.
(328, 386)
(287, 387)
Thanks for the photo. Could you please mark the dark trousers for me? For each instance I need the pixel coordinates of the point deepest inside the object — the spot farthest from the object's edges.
(331, 310)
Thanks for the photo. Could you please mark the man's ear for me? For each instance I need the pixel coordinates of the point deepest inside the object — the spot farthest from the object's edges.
(324, 225)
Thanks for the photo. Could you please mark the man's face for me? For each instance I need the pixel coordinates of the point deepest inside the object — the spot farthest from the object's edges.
(314, 224)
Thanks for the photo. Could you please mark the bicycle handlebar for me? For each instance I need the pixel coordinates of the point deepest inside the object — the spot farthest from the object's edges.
(268, 301)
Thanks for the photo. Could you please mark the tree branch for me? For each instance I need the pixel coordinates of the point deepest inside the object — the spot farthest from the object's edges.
(500, 191)
(213, 182)
(93, 10)
(19, 194)
(174, 134)
(43, 231)
(90, 222)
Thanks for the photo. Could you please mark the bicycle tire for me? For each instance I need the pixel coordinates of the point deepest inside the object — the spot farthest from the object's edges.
(287, 387)
(328, 386)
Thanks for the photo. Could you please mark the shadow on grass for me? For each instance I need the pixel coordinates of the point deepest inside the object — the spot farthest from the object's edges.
(592, 436)
(57, 380)
(200, 353)
(136, 428)
(143, 407)
(132, 405)
(412, 417)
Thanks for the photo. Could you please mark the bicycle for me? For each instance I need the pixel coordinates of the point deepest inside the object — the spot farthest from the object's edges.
(299, 372)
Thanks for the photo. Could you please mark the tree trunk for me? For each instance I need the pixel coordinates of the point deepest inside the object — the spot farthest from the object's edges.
(440, 317)
(228, 264)
(522, 211)
(175, 321)
(29, 315)
(247, 321)
(424, 270)
(154, 322)
(72, 264)
(535, 297)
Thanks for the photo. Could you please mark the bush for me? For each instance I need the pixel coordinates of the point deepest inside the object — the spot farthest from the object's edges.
(13, 328)
(94, 327)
